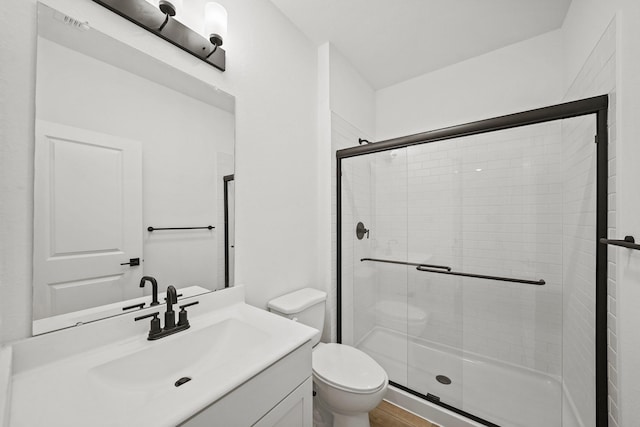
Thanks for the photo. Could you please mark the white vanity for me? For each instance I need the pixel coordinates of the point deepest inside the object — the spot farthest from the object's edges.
(245, 367)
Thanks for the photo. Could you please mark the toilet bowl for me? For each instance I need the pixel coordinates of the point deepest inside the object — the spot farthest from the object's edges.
(348, 382)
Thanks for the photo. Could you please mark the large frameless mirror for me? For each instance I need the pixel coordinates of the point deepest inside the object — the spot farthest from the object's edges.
(132, 166)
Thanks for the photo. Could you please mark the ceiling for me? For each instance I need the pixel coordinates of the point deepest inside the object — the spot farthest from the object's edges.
(390, 41)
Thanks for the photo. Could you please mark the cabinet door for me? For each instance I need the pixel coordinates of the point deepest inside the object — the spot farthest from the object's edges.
(295, 410)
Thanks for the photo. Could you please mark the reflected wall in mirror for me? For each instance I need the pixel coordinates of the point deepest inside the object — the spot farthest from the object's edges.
(124, 142)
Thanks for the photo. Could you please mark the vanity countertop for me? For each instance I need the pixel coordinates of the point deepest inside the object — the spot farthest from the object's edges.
(105, 374)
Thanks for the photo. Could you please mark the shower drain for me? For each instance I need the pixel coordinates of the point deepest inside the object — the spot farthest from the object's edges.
(443, 379)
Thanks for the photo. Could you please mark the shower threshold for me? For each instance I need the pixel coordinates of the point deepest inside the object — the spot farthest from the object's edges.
(502, 394)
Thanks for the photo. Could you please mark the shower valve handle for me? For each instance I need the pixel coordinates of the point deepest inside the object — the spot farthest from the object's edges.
(361, 231)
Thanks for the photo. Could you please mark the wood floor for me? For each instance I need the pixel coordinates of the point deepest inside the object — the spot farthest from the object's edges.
(389, 415)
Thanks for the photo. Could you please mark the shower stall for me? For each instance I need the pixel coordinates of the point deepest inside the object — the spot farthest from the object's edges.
(469, 268)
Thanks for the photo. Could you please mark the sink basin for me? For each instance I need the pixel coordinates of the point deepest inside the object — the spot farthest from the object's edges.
(181, 355)
(107, 374)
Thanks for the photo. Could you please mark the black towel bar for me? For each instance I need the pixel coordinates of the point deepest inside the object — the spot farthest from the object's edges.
(414, 264)
(483, 276)
(208, 227)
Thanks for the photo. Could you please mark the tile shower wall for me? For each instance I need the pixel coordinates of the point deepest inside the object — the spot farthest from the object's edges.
(488, 204)
(597, 77)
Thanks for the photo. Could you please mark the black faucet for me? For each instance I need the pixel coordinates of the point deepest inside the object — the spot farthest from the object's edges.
(154, 289)
(169, 315)
(170, 327)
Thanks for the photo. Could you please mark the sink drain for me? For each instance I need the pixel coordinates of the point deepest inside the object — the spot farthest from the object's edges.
(443, 379)
(182, 381)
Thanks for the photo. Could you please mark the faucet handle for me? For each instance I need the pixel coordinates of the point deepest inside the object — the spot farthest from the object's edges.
(182, 307)
(179, 295)
(182, 316)
(155, 322)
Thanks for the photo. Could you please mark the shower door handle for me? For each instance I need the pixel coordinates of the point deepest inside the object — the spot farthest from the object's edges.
(414, 264)
(481, 276)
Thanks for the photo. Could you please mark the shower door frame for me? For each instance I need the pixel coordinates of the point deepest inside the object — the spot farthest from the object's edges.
(596, 105)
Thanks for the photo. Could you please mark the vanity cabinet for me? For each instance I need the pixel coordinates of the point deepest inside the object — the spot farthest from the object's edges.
(280, 395)
(295, 410)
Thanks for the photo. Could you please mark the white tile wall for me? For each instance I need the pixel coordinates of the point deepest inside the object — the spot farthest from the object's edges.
(597, 77)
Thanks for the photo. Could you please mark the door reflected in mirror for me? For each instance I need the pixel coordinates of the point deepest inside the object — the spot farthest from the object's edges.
(123, 143)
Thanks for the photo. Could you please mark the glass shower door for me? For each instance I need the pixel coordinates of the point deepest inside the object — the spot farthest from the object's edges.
(474, 260)
(373, 271)
(434, 301)
(490, 205)
(407, 321)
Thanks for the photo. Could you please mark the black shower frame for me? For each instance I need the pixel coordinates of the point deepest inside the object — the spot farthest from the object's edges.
(596, 105)
(226, 180)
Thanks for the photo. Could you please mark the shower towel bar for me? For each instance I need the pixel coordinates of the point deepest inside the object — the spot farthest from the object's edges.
(628, 242)
(414, 264)
(482, 276)
(208, 227)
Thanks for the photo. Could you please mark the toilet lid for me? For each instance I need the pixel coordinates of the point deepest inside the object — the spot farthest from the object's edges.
(348, 368)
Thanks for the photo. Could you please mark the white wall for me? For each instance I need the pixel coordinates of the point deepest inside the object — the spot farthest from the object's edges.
(352, 97)
(276, 168)
(522, 76)
(583, 27)
(346, 113)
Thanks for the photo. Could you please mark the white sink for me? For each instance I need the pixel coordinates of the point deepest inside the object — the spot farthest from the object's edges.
(108, 374)
(185, 354)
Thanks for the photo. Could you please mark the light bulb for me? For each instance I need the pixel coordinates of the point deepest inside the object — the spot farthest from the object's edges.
(215, 23)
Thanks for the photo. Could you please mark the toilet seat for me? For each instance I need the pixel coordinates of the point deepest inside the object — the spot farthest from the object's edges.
(347, 368)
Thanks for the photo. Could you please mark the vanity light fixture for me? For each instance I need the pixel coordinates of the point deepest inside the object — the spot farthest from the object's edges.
(164, 18)
(215, 24)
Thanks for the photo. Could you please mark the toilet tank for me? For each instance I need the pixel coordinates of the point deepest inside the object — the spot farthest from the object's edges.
(305, 306)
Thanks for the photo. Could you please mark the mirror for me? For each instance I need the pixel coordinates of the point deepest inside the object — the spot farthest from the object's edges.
(133, 160)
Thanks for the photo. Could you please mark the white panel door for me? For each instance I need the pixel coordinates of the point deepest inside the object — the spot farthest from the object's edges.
(87, 219)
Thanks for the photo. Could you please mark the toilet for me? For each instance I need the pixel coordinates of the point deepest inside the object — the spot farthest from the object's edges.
(348, 382)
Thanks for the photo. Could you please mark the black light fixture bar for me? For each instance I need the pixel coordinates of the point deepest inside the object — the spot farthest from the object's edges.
(145, 15)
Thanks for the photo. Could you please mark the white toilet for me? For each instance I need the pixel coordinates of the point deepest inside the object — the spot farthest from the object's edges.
(348, 382)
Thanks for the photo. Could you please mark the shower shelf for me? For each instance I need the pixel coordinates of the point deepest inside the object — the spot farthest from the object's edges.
(628, 242)
(482, 276)
(414, 264)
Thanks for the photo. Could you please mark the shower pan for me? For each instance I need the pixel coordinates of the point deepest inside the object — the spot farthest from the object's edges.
(481, 278)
